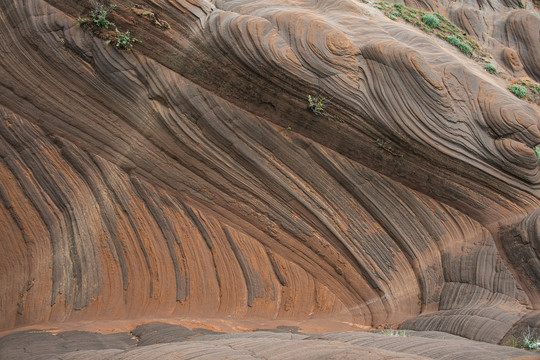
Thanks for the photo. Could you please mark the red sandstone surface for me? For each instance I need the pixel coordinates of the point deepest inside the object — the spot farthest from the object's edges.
(187, 181)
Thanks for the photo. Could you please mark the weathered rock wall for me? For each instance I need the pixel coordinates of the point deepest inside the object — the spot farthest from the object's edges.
(187, 177)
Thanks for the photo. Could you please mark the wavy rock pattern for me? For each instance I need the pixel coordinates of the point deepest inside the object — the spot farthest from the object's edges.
(158, 340)
(163, 182)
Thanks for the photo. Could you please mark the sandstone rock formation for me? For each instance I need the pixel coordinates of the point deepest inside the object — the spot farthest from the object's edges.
(162, 341)
(188, 178)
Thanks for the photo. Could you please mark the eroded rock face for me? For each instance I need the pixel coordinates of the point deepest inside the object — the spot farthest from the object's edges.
(158, 341)
(187, 177)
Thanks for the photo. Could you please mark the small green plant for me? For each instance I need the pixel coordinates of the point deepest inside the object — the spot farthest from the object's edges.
(99, 17)
(393, 15)
(530, 341)
(521, 4)
(124, 41)
(317, 104)
(113, 6)
(440, 17)
(81, 21)
(430, 20)
(391, 332)
(466, 49)
(385, 146)
(519, 90)
(490, 68)
(537, 152)
(399, 7)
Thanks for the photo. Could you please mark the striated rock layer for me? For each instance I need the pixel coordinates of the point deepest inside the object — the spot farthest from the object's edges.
(187, 178)
(158, 340)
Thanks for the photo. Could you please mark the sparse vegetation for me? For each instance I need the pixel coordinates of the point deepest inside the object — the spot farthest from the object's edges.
(99, 17)
(519, 90)
(530, 341)
(526, 340)
(490, 68)
(526, 89)
(386, 146)
(151, 16)
(430, 20)
(432, 23)
(393, 15)
(537, 152)
(317, 104)
(454, 40)
(99, 23)
(124, 41)
(391, 332)
(81, 21)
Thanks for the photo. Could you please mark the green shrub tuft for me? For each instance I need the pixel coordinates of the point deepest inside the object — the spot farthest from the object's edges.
(430, 20)
(81, 21)
(490, 68)
(519, 90)
(317, 104)
(530, 341)
(442, 18)
(99, 16)
(466, 49)
(391, 332)
(124, 41)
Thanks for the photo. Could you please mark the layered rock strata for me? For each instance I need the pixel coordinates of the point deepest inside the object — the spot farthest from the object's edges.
(188, 177)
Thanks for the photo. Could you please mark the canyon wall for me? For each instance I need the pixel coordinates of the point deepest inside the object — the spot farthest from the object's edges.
(188, 177)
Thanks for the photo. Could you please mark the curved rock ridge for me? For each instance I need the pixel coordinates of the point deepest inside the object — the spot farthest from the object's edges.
(188, 177)
(159, 340)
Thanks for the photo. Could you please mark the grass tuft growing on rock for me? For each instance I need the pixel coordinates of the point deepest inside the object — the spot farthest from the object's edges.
(454, 40)
(99, 17)
(124, 41)
(430, 20)
(530, 341)
(519, 90)
(391, 332)
(317, 104)
(537, 152)
(526, 89)
(490, 68)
